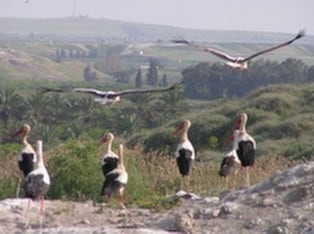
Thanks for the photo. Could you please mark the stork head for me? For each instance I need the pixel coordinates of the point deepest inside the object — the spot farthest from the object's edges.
(184, 125)
(22, 131)
(108, 137)
(240, 122)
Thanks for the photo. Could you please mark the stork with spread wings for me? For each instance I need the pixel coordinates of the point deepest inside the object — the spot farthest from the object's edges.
(240, 62)
(110, 97)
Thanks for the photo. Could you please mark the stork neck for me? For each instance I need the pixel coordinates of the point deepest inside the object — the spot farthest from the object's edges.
(184, 136)
(109, 146)
(24, 139)
(242, 130)
(121, 158)
(40, 154)
(242, 126)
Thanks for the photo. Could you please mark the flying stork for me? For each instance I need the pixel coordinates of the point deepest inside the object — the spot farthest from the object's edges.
(111, 97)
(240, 62)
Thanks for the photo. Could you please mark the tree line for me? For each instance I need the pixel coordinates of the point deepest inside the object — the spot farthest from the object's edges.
(208, 81)
(58, 117)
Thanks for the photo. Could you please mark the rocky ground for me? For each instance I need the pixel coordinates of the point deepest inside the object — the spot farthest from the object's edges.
(282, 204)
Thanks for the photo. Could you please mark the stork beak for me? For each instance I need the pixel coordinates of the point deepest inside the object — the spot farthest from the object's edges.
(177, 130)
(19, 132)
(102, 141)
(237, 123)
(230, 138)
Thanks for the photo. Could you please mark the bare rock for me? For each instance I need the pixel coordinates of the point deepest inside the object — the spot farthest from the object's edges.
(230, 207)
(184, 222)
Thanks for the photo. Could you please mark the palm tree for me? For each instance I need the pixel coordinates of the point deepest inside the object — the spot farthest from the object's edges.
(173, 102)
(36, 105)
(55, 111)
(144, 107)
(12, 105)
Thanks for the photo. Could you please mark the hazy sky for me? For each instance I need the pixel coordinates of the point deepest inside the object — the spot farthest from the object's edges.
(261, 15)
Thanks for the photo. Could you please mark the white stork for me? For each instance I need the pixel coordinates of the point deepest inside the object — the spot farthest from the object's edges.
(241, 62)
(231, 163)
(27, 158)
(111, 97)
(116, 180)
(109, 159)
(38, 181)
(185, 153)
(246, 147)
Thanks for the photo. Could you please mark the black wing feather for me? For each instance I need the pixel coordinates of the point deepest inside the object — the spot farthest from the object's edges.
(298, 36)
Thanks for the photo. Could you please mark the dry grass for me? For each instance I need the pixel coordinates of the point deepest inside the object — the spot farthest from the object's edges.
(163, 177)
(153, 177)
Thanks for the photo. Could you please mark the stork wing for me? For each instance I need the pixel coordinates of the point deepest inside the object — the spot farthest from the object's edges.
(300, 34)
(136, 91)
(221, 54)
(94, 92)
(213, 51)
(56, 90)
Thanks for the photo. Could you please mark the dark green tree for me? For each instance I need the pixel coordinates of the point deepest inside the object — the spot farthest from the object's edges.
(164, 81)
(152, 76)
(89, 75)
(310, 74)
(138, 78)
(58, 56)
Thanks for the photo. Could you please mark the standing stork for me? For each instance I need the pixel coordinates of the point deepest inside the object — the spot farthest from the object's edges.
(38, 181)
(110, 159)
(185, 153)
(116, 180)
(246, 147)
(241, 62)
(231, 163)
(27, 157)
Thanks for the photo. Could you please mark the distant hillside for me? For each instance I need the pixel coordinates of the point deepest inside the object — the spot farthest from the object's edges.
(84, 27)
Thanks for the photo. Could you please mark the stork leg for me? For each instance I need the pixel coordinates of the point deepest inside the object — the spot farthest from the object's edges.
(109, 196)
(226, 182)
(41, 212)
(26, 215)
(183, 184)
(121, 198)
(235, 178)
(234, 182)
(18, 188)
(246, 176)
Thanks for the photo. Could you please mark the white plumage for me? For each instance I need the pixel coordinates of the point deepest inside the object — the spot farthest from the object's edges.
(186, 145)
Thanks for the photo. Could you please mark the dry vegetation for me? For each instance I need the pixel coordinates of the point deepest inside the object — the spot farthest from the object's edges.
(152, 177)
